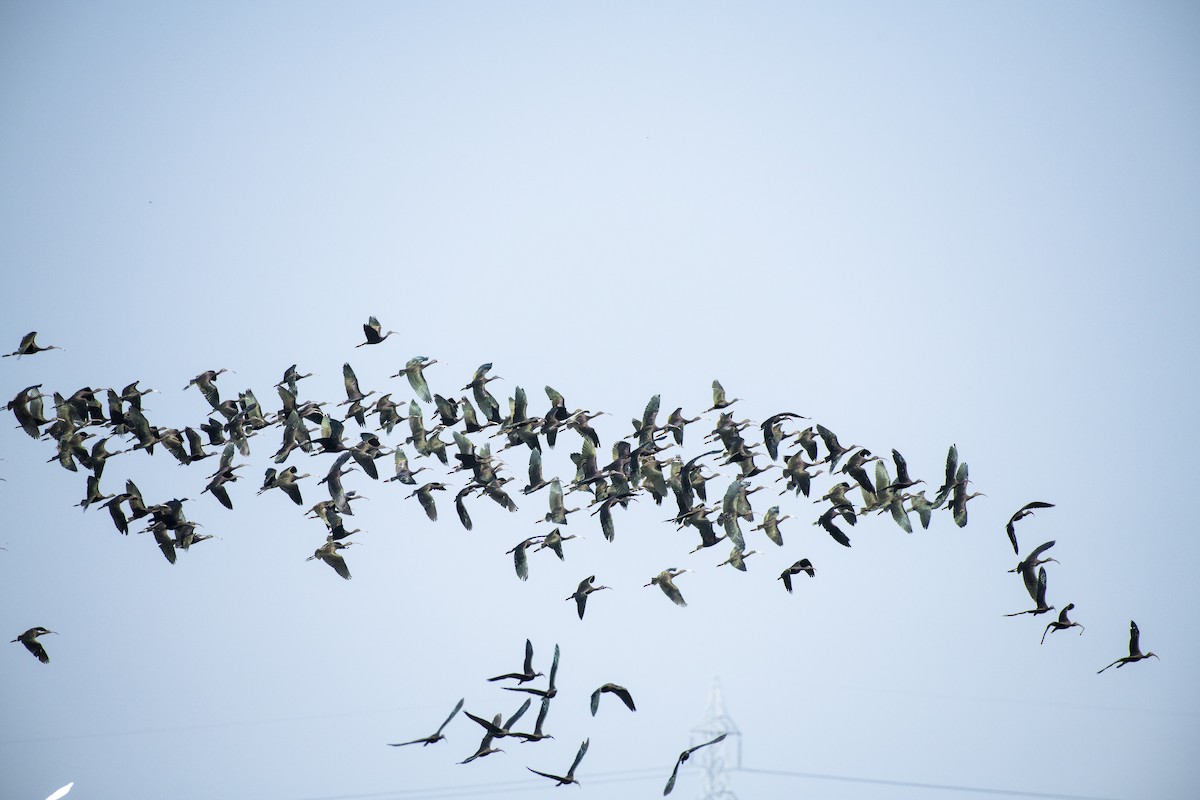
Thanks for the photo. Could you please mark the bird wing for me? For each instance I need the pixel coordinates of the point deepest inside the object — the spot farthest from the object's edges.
(596, 699)
(623, 693)
(671, 781)
(416, 379)
(554, 668)
(556, 499)
(1134, 634)
(425, 496)
(718, 394)
(671, 590)
(350, 380)
(1040, 599)
(35, 647)
(578, 757)
(650, 412)
(528, 657)
(902, 475)
(335, 560)
(786, 576)
(558, 778)
(218, 491)
(606, 522)
(292, 491)
(520, 711)
(453, 714)
(492, 726)
(521, 561)
(535, 468)
(461, 507)
(691, 750)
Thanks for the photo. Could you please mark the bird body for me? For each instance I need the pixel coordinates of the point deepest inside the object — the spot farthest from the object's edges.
(30, 639)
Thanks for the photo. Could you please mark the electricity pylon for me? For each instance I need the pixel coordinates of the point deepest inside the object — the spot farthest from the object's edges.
(724, 755)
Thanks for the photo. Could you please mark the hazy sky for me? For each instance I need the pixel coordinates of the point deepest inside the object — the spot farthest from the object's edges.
(918, 224)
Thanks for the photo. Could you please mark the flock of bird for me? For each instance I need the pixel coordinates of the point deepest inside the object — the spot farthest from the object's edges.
(649, 463)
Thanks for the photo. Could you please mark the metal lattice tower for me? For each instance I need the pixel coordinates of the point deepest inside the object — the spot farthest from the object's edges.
(715, 760)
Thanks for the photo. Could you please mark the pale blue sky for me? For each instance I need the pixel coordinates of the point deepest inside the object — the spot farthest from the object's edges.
(918, 224)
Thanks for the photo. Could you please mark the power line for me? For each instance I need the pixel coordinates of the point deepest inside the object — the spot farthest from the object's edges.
(919, 785)
(646, 773)
(477, 789)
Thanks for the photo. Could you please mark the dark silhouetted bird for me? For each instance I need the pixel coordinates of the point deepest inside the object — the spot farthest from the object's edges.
(563, 780)
(1135, 652)
(29, 346)
(612, 688)
(373, 331)
(436, 736)
(29, 639)
(684, 756)
(527, 673)
(803, 565)
(1023, 512)
(1062, 623)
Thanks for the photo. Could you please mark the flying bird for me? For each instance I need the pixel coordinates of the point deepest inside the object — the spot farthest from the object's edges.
(803, 565)
(1062, 623)
(551, 688)
(29, 346)
(563, 780)
(1135, 652)
(619, 691)
(527, 673)
(684, 756)
(29, 639)
(436, 736)
(665, 580)
(328, 553)
(580, 595)
(373, 331)
(1025, 567)
(1023, 512)
(1039, 597)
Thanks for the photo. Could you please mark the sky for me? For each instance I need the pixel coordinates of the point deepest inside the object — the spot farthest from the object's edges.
(918, 225)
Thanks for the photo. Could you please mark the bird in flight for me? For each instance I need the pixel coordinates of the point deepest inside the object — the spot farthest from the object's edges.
(436, 736)
(29, 346)
(563, 780)
(684, 756)
(29, 639)
(1135, 652)
(612, 688)
(803, 565)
